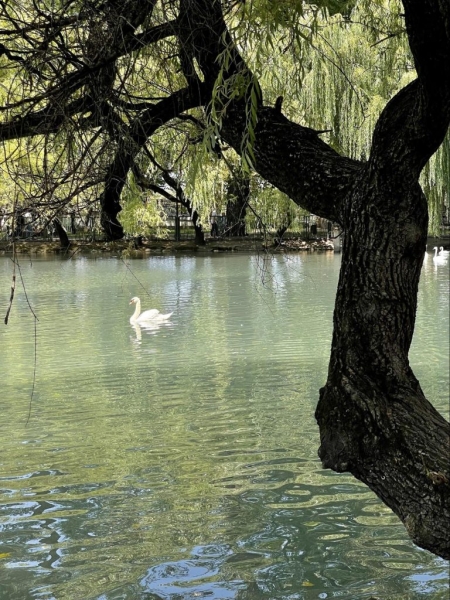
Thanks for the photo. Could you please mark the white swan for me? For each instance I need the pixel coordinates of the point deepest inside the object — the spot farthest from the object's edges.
(443, 252)
(148, 316)
(439, 259)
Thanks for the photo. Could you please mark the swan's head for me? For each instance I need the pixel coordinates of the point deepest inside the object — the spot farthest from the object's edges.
(134, 300)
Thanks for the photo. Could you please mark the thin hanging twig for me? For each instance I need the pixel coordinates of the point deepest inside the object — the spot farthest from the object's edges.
(16, 262)
(11, 297)
(137, 279)
(13, 284)
(24, 290)
(34, 370)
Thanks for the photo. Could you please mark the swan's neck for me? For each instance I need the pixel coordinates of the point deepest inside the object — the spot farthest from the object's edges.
(137, 311)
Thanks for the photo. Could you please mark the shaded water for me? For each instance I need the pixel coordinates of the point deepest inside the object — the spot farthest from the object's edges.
(181, 462)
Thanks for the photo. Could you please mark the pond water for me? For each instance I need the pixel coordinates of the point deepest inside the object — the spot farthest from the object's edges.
(181, 462)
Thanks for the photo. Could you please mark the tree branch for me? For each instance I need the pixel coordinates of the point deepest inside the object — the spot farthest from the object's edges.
(414, 123)
(280, 147)
(322, 176)
(131, 144)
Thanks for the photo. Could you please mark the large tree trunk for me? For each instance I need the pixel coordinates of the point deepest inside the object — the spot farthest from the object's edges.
(198, 228)
(236, 210)
(110, 208)
(374, 419)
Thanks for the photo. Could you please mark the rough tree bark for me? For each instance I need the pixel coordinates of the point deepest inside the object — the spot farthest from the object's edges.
(374, 419)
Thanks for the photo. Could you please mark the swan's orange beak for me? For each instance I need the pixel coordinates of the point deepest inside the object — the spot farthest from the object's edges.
(131, 302)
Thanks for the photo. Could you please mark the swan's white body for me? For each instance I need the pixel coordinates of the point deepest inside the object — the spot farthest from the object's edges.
(439, 259)
(148, 316)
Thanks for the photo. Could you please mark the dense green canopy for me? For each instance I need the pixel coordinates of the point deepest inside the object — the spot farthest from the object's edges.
(83, 80)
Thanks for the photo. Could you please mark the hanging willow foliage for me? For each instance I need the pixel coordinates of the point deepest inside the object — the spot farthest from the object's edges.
(336, 69)
(336, 63)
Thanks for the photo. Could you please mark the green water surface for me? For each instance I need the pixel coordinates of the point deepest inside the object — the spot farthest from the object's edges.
(180, 462)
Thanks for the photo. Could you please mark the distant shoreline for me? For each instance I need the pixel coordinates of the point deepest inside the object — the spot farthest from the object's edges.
(130, 249)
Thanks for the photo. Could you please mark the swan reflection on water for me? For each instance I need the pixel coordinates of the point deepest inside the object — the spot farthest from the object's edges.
(149, 328)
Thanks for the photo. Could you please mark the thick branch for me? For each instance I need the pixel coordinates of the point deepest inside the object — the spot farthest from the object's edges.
(291, 157)
(296, 161)
(428, 27)
(43, 122)
(131, 144)
(414, 123)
